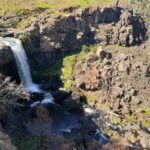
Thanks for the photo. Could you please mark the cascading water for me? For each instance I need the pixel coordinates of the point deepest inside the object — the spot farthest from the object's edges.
(22, 63)
(24, 69)
(63, 121)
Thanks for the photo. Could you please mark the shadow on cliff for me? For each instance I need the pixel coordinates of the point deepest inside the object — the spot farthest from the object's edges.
(47, 67)
(39, 128)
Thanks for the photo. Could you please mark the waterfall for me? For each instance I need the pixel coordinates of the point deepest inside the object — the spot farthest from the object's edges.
(22, 63)
(24, 69)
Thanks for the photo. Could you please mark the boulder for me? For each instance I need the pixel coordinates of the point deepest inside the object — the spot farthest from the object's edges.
(71, 103)
(100, 53)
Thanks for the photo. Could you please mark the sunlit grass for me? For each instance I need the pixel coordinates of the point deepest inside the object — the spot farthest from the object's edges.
(7, 7)
(69, 62)
(23, 23)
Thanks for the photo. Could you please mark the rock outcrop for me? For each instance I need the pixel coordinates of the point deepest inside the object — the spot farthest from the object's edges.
(118, 84)
(114, 78)
(69, 33)
(48, 37)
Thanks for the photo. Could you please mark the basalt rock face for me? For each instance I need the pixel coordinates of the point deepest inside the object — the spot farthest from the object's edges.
(128, 31)
(12, 96)
(104, 26)
(68, 33)
(50, 37)
(12, 99)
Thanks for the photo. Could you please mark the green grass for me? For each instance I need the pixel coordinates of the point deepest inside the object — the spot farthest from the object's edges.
(7, 7)
(69, 62)
(22, 24)
(89, 99)
(64, 67)
(35, 7)
(67, 70)
(147, 112)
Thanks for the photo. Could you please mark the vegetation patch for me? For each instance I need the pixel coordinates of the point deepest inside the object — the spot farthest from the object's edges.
(147, 111)
(52, 5)
(22, 24)
(69, 63)
(63, 68)
(145, 122)
(115, 119)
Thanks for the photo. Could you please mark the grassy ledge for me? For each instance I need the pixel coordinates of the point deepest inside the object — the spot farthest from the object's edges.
(64, 67)
(6, 7)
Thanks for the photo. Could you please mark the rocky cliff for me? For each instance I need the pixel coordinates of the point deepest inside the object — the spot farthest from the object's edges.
(47, 35)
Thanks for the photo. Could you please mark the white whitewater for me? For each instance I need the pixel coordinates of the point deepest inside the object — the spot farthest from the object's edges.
(24, 69)
(22, 63)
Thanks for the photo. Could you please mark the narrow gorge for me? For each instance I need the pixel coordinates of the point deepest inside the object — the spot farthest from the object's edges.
(77, 79)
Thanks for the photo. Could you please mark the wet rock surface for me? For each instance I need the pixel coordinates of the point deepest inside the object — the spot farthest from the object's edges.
(61, 129)
(67, 123)
(53, 126)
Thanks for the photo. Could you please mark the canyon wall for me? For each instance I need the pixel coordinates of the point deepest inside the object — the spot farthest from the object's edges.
(49, 37)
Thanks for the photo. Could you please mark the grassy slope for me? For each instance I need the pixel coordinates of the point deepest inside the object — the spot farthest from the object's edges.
(14, 6)
(34, 7)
